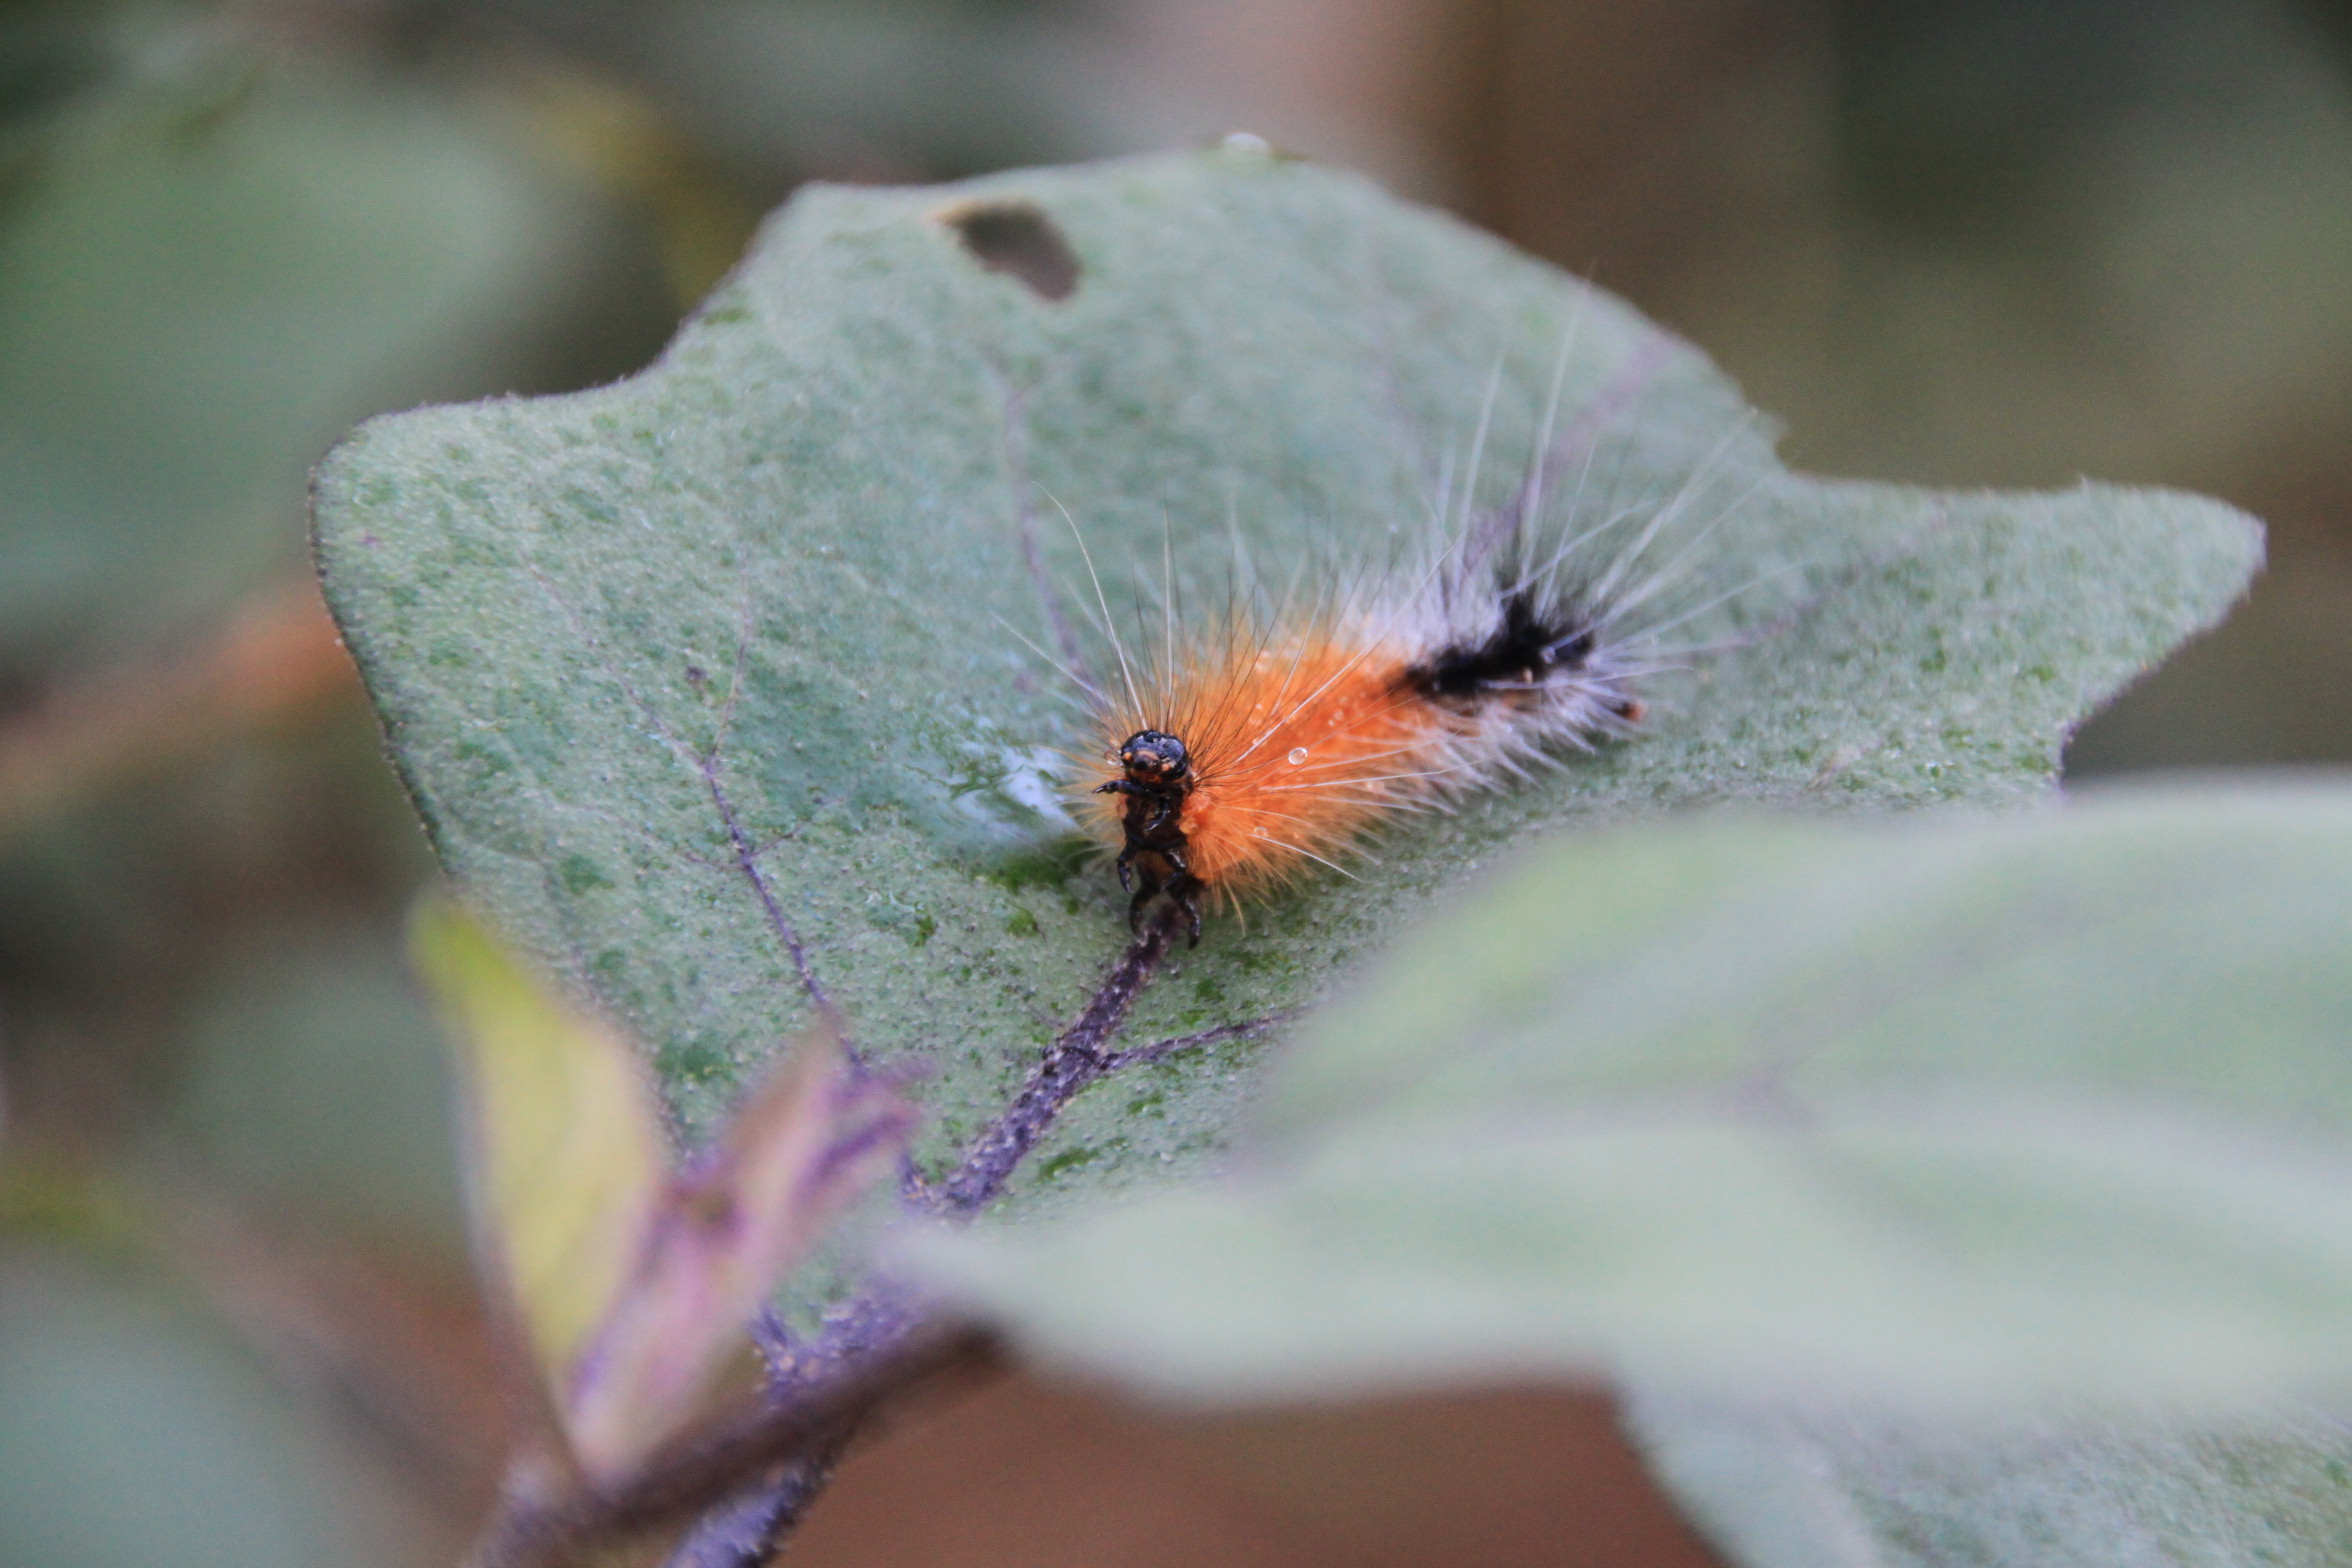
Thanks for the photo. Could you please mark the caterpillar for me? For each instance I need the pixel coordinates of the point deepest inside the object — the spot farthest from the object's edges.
(1223, 767)
(1231, 764)
(1238, 763)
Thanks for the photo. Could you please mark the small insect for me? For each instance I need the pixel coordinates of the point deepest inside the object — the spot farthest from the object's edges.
(1234, 762)
(1270, 751)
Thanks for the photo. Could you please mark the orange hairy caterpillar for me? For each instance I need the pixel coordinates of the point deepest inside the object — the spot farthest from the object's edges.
(1234, 765)
(1228, 765)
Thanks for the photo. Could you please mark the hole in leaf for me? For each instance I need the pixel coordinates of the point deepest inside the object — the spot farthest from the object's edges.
(1017, 239)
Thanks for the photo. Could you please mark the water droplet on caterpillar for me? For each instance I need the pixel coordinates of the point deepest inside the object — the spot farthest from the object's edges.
(1298, 754)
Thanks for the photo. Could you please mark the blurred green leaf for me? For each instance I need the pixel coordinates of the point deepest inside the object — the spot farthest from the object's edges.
(1952, 1109)
(750, 603)
(1803, 1488)
(132, 1434)
(315, 1074)
(840, 86)
(199, 288)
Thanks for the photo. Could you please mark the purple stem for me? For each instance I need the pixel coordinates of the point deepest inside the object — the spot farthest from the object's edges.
(752, 1528)
(1145, 1055)
(747, 862)
(1077, 1057)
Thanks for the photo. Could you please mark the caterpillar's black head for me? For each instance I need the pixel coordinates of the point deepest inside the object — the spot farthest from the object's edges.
(1154, 759)
(1536, 643)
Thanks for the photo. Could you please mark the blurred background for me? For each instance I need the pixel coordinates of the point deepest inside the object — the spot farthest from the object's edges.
(1969, 242)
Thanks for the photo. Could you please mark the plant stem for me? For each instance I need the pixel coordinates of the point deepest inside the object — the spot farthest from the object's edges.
(1077, 1057)
(753, 1527)
(807, 1430)
(747, 862)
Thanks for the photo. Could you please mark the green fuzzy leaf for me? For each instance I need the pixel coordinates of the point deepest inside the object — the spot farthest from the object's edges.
(1950, 1109)
(1805, 1488)
(772, 596)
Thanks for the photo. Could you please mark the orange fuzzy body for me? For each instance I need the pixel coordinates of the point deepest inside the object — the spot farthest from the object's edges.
(1296, 748)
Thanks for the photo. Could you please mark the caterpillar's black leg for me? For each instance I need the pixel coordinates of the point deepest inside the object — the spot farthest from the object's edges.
(1126, 864)
(1150, 889)
(1182, 890)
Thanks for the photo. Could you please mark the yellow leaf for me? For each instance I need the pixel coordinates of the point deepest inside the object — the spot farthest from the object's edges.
(566, 1156)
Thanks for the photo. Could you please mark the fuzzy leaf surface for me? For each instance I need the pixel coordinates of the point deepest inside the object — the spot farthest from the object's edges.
(1794, 1487)
(1948, 1111)
(762, 601)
